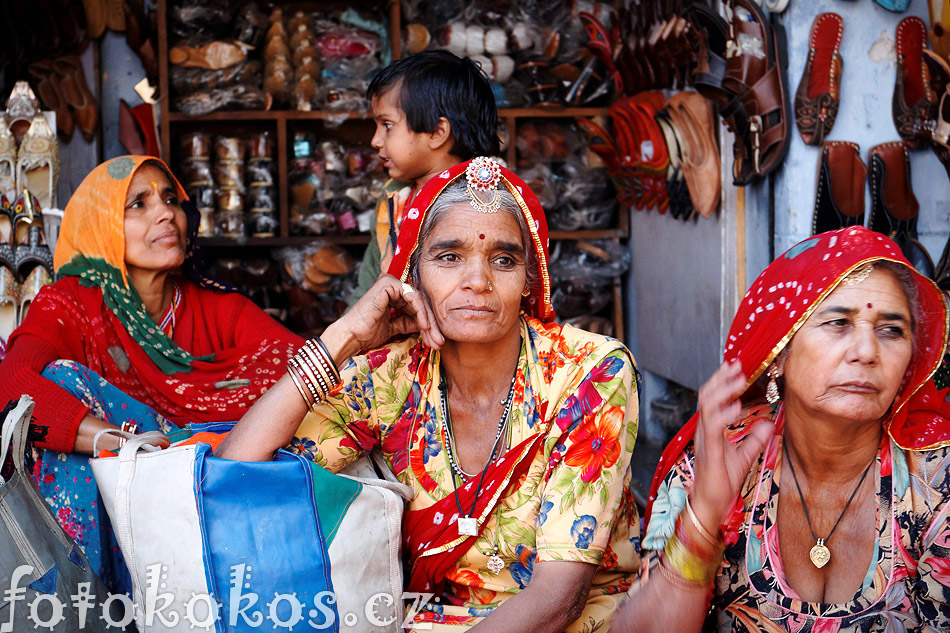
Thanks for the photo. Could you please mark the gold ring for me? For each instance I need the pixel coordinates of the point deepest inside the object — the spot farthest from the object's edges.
(407, 289)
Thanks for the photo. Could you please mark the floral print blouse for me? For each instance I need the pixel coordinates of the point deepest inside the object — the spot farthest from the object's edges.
(907, 585)
(574, 504)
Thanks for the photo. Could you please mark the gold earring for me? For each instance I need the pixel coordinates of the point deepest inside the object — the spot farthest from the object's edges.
(771, 390)
(526, 292)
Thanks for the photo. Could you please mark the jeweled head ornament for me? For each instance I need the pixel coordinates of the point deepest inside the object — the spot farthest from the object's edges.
(483, 175)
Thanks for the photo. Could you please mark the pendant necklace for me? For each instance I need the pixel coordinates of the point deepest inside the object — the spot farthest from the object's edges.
(467, 524)
(495, 563)
(820, 555)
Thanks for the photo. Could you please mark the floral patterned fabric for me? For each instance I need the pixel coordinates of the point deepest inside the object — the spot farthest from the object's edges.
(907, 585)
(573, 503)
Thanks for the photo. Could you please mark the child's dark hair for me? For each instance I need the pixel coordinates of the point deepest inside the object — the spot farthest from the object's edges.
(439, 84)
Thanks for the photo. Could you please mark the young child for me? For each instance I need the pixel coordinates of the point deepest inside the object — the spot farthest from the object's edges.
(432, 110)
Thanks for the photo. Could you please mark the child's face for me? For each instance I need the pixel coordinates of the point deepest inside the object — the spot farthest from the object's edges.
(406, 154)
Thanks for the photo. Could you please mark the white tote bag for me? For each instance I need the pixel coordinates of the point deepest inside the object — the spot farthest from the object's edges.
(254, 546)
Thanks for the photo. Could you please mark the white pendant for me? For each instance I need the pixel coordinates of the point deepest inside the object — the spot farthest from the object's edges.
(819, 554)
(495, 564)
(468, 526)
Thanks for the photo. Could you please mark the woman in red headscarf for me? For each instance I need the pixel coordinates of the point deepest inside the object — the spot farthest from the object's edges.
(514, 433)
(823, 506)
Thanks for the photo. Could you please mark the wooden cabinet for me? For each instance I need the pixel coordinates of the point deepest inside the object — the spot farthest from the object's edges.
(358, 128)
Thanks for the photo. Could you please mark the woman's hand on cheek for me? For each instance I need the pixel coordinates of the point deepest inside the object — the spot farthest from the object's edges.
(370, 320)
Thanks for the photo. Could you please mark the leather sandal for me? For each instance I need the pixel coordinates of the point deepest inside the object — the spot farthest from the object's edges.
(695, 122)
(6, 234)
(37, 163)
(76, 92)
(755, 59)
(7, 162)
(894, 206)
(839, 200)
(818, 94)
(31, 247)
(9, 296)
(38, 277)
(681, 206)
(598, 141)
(22, 108)
(914, 102)
(50, 93)
(712, 36)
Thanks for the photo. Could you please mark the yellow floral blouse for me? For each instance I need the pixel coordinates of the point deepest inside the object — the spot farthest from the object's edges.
(574, 503)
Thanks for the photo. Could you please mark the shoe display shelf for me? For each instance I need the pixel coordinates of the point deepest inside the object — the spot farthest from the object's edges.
(352, 127)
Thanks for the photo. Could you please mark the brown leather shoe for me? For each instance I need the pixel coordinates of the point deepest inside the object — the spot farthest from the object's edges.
(77, 94)
(894, 206)
(839, 200)
(914, 102)
(755, 59)
(939, 128)
(818, 95)
(49, 89)
(693, 117)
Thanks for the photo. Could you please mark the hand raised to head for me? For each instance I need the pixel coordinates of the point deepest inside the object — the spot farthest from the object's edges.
(721, 465)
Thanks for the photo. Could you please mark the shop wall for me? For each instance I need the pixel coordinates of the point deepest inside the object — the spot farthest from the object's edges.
(864, 117)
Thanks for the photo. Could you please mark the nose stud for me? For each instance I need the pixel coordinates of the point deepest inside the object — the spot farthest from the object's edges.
(490, 288)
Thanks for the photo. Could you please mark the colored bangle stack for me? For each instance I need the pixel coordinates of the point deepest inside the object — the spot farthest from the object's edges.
(688, 562)
(313, 372)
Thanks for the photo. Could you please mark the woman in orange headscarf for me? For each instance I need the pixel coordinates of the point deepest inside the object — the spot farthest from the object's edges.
(132, 333)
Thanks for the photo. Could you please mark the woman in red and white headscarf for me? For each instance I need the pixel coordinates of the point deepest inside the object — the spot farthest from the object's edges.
(514, 433)
(809, 493)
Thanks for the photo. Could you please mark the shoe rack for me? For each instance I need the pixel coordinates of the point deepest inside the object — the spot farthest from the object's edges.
(357, 127)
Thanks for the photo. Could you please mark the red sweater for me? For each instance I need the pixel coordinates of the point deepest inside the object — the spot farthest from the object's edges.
(206, 322)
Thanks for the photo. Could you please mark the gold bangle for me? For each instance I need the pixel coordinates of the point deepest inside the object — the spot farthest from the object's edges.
(303, 392)
(690, 565)
(706, 534)
(677, 580)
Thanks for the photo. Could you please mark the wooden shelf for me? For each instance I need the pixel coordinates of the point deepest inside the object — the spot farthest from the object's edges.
(318, 115)
(284, 123)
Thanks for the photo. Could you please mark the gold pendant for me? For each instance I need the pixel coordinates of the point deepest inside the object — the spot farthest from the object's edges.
(495, 564)
(819, 554)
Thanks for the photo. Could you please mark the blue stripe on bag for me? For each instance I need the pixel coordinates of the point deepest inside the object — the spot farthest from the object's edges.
(265, 556)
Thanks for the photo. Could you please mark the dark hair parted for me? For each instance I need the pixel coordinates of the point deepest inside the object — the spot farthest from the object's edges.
(435, 84)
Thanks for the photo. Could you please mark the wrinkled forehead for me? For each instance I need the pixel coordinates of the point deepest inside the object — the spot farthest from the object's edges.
(461, 222)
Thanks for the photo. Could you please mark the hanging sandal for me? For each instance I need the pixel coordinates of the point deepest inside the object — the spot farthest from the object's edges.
(818, 94)
(695, 122)
(755, 59)
(7, 163)
(76, 92)
(31, 247)
(8, 303)
(681, 206)
(49, 90)
(6, 234)
(914, 102)
(22, 107)
(894, 206)
(839, 201)
(37, 164)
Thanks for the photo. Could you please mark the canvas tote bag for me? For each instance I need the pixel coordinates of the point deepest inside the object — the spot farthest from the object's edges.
(54, 587)
(253, 546)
